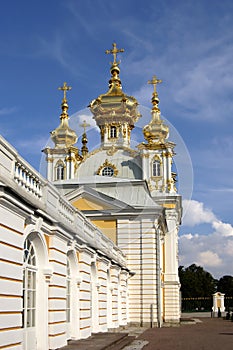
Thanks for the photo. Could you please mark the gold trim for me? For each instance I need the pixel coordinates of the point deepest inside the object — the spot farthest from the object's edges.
(107, 164)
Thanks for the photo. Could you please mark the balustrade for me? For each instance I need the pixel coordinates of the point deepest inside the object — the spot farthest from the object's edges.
(27, 180)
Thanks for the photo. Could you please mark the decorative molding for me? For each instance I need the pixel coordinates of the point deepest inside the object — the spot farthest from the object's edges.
(107, 164)
(79, 281)
(111, 151)
(48, 273)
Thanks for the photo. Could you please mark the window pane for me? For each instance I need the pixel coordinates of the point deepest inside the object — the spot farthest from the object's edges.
(108, 171)
(33, 317)
(60, 172)
(113, 132)
(156, 168)
(29, 285)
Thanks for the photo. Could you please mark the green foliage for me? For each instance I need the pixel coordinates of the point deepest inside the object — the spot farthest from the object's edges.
(196, 282)
(225, 285)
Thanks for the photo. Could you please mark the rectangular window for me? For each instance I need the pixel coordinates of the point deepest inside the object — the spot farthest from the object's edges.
(156, 168)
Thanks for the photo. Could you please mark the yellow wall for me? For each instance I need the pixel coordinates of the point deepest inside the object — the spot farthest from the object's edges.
(85, 204)
(169, 205)
(108, 227)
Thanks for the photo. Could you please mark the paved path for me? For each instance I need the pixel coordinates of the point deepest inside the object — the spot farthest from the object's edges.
(207, 334)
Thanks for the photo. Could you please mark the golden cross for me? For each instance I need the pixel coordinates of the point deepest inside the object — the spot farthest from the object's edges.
(154, 82)
(65, 88)
(84, 125)
(114, 51)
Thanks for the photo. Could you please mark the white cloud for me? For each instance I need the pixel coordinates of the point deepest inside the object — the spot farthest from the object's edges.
(209, 259)
(213, 251)
(224, 229)
(195, 213)
(78, 118)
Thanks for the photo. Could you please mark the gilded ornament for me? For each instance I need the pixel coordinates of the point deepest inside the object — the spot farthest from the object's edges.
(114, 52)
(111, 150)
(107, 164)
(65, 88)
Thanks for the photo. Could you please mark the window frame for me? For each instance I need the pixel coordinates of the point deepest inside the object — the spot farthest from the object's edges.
(29, 285)
(60, 171)
(113, 132)
(107, 171)
(156, 168)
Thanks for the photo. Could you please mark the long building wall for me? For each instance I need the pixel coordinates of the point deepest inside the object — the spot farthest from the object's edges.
(61, 278)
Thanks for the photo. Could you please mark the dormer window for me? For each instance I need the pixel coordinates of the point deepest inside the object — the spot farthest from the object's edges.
(113, 132)
(156, 168)
(108, 171)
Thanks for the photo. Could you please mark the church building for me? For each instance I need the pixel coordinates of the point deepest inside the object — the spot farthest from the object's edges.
(95, 245)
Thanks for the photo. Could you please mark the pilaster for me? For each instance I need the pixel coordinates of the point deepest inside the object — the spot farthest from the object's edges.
(171, 278)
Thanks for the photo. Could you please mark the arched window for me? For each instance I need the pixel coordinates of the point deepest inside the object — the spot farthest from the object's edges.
(107, 171)
(60, 172)
(113, 132)
(156, 168)
(29, 285)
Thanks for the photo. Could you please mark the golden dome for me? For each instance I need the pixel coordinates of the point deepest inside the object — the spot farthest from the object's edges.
(156, 131)
(115, 105)
(63, 136)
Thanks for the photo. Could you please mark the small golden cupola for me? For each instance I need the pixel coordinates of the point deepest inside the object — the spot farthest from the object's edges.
(63, 158)
(84, 148)
(115, 112)
(156, 132)
(63, 136)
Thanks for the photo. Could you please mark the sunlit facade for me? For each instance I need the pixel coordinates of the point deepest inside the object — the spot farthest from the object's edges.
(95, 246)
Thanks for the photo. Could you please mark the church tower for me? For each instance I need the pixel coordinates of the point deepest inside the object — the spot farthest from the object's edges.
(115, 112)
(62, 159)
(156, 152)
(129, 194)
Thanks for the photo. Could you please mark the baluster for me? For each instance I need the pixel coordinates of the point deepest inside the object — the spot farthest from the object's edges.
(16, 175)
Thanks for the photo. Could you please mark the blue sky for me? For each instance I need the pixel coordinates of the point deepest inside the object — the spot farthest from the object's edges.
(187, 44)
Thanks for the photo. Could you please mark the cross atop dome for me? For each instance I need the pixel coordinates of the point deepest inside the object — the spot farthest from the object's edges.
(65, 88)
(114, 52)
(154, 82)
(115, 112)
(84, 125)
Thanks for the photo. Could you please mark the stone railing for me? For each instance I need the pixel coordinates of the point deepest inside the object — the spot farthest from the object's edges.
(17, 174)
(25, 178)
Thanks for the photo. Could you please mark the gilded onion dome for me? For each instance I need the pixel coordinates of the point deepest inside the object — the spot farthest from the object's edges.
(115, 106)
(63, 136)
(156, 131)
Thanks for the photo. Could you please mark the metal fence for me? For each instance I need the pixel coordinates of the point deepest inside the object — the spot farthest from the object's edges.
(197, 304)
(228, 301)
(203, 304)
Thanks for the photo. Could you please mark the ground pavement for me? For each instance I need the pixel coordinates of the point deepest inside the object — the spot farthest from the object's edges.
(206, 334)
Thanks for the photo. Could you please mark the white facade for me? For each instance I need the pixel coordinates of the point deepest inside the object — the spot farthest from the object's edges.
(95, 246)
(61, 278)
(130, 195)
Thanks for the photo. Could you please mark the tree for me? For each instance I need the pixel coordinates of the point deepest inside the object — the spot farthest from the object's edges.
(196, 282)
(225, 285)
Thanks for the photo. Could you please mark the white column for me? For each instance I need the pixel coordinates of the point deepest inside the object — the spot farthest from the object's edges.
(68, 165)
(171, 278)
(50, 169)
